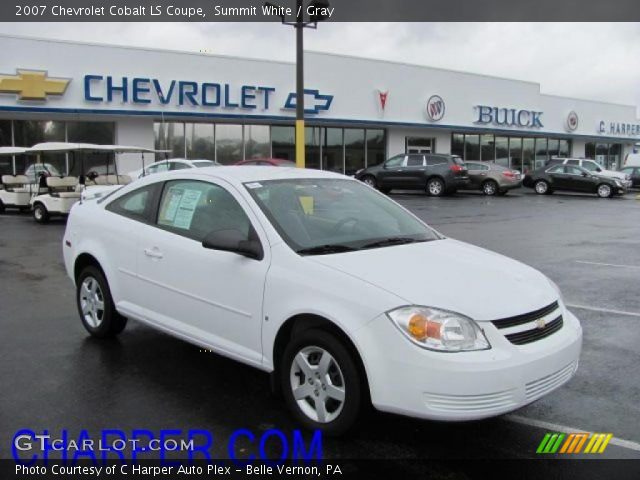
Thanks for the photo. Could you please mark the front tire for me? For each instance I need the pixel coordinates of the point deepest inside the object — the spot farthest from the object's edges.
(490, 188)
(40, 213)
(95, 304)
(542, 188)
(321, 383)
(370, 180)
(435, 187)
(604, 191)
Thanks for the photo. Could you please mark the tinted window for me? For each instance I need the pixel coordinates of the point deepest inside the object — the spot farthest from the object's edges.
(194, 208)
(136, 204)
(162, 167)
(178, 166)
(415, 161)
(432, 160)
(395, 161)
(591, 166)
(573, 162)
(573, 170)
(556, 169)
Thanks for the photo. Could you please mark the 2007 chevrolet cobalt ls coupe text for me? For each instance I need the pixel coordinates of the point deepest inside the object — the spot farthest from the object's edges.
(339, 292)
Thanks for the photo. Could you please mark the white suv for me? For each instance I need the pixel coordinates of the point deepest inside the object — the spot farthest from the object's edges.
(593, 167)
(338, 291)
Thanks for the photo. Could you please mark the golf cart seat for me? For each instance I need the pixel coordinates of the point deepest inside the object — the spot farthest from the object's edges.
(112, 179)
(15, 183)
(63, 187)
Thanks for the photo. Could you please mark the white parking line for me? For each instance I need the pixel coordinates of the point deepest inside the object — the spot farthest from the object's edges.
(604, 310)
(554, 427)
(607, 264)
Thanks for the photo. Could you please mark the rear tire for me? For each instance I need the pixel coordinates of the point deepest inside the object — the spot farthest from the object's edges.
(435, 187)
(604, 191)
(320, 368)
(370, 180)
(95, 304)
(385, 190)
(490, 188)
(40, 213)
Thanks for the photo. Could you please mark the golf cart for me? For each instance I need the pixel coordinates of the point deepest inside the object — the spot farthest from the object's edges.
(17, 190)
(62, 192)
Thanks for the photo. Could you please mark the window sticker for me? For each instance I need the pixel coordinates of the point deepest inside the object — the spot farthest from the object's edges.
(169, 213)
(186, 209)
(307, 204)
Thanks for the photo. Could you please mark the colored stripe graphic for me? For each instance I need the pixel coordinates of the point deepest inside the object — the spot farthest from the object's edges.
(573, 443)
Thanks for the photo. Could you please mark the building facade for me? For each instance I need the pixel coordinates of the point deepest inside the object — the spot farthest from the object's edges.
(358, 111)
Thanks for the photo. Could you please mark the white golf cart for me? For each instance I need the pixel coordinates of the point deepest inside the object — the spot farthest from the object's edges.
(17, 190)
(62, 192)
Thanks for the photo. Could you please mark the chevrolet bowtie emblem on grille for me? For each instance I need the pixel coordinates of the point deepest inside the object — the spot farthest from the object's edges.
(32, 84)
(540, 323)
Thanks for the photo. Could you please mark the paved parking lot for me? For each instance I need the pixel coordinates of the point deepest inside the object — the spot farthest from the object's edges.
(54, 376)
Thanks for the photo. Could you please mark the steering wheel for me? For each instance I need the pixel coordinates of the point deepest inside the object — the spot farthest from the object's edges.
(343, 222)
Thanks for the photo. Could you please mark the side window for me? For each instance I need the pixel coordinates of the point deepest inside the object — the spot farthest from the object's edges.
(472, 166)
(573, 162)
(435, 160)
(591, 166)
(394, 161)
(193, 208)
(556, 169)
(573, 170)
(415, 161)
(178, 166)
(136, 205)
(162, 167)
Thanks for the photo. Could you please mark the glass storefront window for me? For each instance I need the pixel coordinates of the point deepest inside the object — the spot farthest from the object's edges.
(257, 143)
(169, 136)
(487, 148)
(29, 132)
(528, 146)
(565, 149)
(229, 148)
(502, 151)
(332, 153)
(283, 142)
(312, 137)
(472, 147)
(615, 151)
(200, 142)
(541, 153)
(6, 140)
(376, 148)
(590, 150)
(101, 133)
(457, 144)
(553, 148)
(515, 153)
(353, 150)
(602, 153)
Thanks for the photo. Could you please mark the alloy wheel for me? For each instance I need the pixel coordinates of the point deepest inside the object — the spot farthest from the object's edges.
(369, 181)
(435, 187)
(489, 188)
(604, 191)
(541, 187)
(92, 302)
(317, 384)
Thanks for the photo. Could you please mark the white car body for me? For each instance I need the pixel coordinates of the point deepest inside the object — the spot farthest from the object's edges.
(171, 164)
(236, 306)
(632, 160)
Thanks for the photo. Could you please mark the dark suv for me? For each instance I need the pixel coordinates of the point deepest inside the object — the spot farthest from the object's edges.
(436, 174)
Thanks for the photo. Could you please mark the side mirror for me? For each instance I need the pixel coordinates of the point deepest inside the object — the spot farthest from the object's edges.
(598, 169)
(232, 240)
(585, 174)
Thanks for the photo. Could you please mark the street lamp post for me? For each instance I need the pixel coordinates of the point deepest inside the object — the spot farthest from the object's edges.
(300, 25)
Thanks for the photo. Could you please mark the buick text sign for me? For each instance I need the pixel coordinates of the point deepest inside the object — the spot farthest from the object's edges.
(508, 117)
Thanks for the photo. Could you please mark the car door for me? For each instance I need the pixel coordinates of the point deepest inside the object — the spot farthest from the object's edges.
(211, 297)
(390, 175)
(557, 176)
(477, 174)
(412, 172)
(578, 180)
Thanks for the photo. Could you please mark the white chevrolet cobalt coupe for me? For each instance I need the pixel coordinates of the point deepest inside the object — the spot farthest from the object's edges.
(340, 293)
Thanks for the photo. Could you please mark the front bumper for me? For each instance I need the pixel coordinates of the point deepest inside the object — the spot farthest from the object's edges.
(409, 380)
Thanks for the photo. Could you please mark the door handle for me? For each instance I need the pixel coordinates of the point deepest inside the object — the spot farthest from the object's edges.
(153, 252)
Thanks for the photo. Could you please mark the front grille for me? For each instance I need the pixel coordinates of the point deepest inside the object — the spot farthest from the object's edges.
(488, 402)
(535, 334)
(551, 317)
(525, 317)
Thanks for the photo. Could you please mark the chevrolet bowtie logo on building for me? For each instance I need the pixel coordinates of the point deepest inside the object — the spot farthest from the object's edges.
(317, 104)
(32, 84)
(574, 442)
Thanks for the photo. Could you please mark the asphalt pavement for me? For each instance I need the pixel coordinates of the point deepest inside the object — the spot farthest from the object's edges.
(54, 376)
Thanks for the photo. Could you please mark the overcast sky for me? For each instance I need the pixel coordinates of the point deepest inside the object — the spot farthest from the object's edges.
(598, 61)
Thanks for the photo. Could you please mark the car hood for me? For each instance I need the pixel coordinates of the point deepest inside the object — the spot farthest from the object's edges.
(450, 275)
(612, 174)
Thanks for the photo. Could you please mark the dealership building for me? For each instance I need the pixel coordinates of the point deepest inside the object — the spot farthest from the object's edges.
(358, 111)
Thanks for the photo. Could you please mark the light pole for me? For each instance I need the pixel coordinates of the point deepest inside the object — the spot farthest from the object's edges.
(317, 7)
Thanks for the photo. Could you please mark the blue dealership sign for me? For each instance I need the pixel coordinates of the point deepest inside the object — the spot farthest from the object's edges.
(508, 117)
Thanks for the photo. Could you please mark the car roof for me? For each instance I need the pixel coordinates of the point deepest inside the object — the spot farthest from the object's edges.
(251, 173)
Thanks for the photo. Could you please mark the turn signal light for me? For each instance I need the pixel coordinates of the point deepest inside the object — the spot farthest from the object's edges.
(420, 328)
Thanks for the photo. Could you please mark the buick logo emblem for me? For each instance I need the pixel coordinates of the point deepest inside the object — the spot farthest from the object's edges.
(572, 121)
(435, 108)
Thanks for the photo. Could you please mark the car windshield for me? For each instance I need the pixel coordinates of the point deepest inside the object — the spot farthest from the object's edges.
(317, 216)
(203, 163)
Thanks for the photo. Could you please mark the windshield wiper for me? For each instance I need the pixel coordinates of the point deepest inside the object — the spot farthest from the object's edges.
(391, 241)
(328, 248)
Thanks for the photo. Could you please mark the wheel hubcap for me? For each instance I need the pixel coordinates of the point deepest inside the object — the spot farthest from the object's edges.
(369, 181)
(604, 191)
(489, 189)
(317, 384)
(92, 302)
(435, 188)
(541, 187)
(38, 213)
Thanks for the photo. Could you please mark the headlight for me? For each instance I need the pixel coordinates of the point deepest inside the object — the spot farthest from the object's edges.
(618, 183)
(439, 330)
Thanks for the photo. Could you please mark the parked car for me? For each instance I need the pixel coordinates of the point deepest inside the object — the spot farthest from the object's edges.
(571, 178)
(634, 174)
(340, 293)
(632, 160)
(593, 167)
(272, 162)
(437, 174)
(491, 178)
(172, 164)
